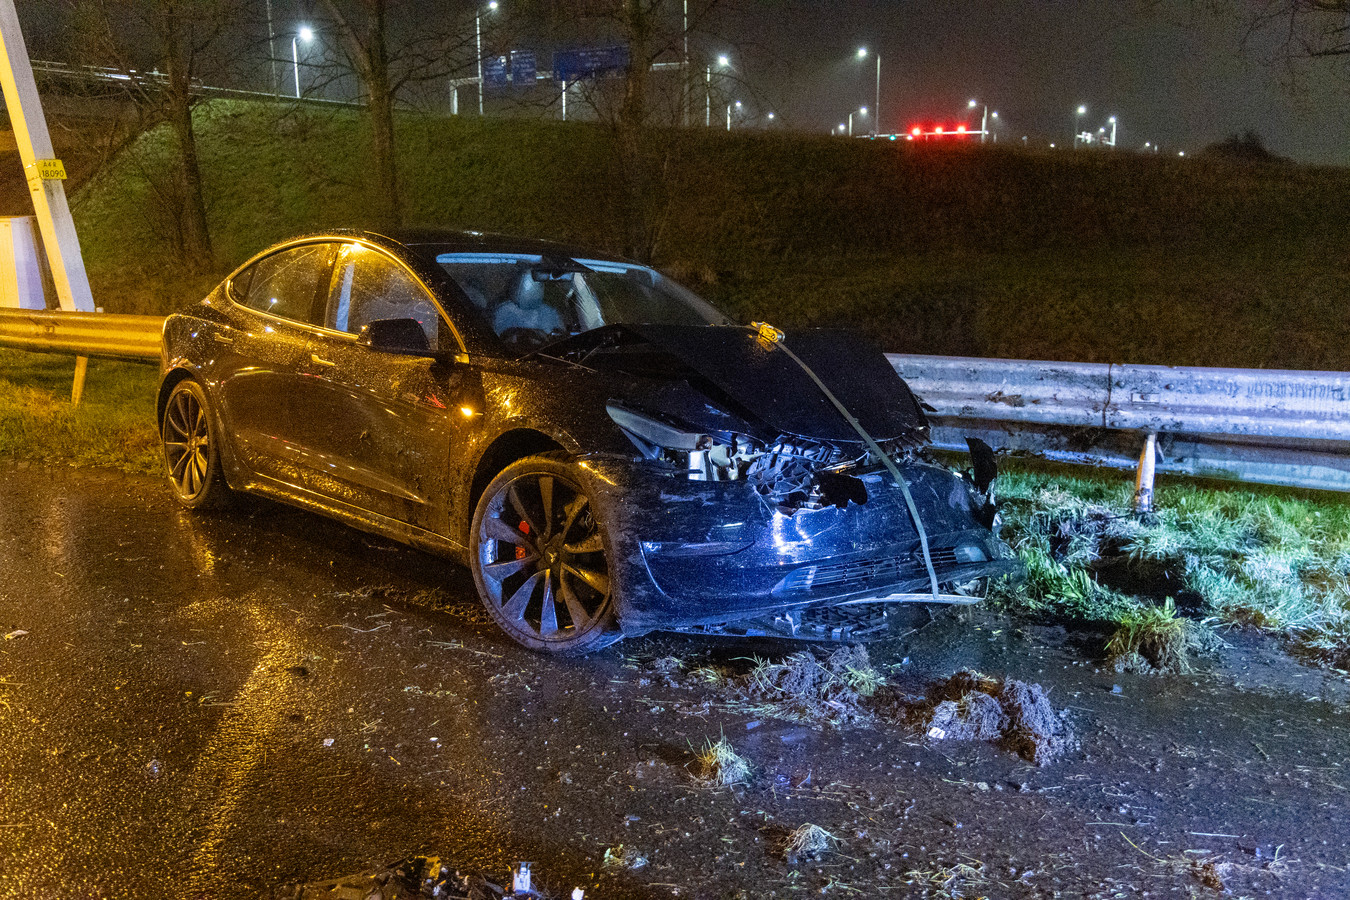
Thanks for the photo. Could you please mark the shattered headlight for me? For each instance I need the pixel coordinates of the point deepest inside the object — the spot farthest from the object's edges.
(703, 457)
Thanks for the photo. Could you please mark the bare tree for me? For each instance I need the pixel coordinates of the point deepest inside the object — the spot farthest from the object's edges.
(653, 32)
(1289, 34)
(161, 48)
(391, 45)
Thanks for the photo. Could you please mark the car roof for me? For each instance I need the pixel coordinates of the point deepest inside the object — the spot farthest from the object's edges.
(450, 241)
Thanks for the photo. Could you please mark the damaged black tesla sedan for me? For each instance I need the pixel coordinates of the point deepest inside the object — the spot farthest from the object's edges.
(608, 452)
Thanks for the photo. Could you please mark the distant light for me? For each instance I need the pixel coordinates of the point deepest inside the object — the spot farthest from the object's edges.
(915, 131)
(1052, 146)
(994, 114)
(960, 129)
(1181, 153)
(843, 127)
(973, 104)
(723, 61)
(467, 411)
(492, 5)
(738, 104)
(770, 115)
(937, 130)
(862, 110)
(909, 137)
(306, 33)
(1112, 120)
(862, 53)
(1082, 110)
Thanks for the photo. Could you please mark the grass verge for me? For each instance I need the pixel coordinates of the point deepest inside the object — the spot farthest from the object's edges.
(114, 426)
(1271, 558)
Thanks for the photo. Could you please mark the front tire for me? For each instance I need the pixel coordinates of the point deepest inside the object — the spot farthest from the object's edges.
(192, 449)
(540, 555)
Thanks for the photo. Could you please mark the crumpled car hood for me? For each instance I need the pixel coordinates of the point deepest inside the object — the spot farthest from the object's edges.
(769, 386)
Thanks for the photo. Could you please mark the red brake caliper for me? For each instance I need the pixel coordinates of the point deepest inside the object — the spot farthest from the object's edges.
(524, 529)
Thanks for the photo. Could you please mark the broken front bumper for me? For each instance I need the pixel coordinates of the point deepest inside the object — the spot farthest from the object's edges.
(696, 553)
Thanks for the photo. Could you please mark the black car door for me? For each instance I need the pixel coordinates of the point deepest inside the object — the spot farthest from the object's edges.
(264, 360)
(383, 422)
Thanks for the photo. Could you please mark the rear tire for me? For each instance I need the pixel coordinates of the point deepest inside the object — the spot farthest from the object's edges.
(191, 449)
(540, 555)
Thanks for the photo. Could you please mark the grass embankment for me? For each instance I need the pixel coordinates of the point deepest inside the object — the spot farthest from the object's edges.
(1274, 559)
(114, 427)
(959, 251)
(1271, 558)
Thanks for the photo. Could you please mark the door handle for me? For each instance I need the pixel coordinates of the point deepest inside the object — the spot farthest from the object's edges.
(320, 361)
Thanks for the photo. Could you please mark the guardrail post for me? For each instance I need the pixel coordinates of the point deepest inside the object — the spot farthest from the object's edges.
(1143, 481)
(77, 387)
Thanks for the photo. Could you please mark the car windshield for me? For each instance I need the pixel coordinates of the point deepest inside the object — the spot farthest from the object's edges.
(530, 300)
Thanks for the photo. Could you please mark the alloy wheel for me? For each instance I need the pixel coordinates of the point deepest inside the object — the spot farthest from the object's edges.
(541, 553)
(187, 443)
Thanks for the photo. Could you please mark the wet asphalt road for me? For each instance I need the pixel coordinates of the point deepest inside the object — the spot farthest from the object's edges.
(220, 705)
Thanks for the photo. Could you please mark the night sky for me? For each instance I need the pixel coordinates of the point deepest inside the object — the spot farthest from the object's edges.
(1171, 76)
(1181, 85)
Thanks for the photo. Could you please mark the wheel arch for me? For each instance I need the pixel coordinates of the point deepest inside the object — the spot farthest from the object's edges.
(170, 381)
(506, 448)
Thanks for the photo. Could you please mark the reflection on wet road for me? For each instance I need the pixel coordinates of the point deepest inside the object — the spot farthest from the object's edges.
(215, 706)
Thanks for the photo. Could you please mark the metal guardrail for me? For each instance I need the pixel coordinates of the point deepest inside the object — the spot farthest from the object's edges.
(134, 338)
(1256, 425)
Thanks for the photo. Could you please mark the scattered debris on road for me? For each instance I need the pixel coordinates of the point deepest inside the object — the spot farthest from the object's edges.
(1013, 714)
(719, 765)
(420, 878)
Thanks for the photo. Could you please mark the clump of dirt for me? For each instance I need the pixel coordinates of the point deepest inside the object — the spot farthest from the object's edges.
(807, 688)
(719, 765)
(1013, 714)
(808, 842)
(1156, 641)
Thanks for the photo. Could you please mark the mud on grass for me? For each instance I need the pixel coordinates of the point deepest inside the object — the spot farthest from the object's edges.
(1273, 559)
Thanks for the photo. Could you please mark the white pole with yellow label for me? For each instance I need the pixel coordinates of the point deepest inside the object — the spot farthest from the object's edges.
(45, 174)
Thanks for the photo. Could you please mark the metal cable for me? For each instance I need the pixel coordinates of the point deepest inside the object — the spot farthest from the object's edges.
(776, 340)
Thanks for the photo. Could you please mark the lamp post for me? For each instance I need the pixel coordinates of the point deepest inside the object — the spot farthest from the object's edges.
(722, 63)
(1112, 120)
(862, 111)
(984, 118)
(737, 104)
(1077, 127)
(305, 34)
(876, 120)
(478, 39)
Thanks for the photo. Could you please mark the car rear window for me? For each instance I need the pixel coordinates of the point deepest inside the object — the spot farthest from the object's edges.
(287, 283)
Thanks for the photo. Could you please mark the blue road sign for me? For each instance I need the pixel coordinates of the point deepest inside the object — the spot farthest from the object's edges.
(494, 71)
(574, 65)
(523, 68)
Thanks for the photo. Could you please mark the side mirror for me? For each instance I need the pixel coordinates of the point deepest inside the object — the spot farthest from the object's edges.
(395, 336)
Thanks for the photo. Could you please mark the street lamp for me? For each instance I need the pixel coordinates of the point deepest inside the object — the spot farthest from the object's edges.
(1077, 126)
(738, 109)
(1112, 120)
(862, 111)
(984, 118)
(478, 38)
(305, 34)
(722, 63)
(876, 120)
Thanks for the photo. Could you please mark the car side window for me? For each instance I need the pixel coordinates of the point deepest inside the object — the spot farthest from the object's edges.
(367, 285)
(286, 284)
